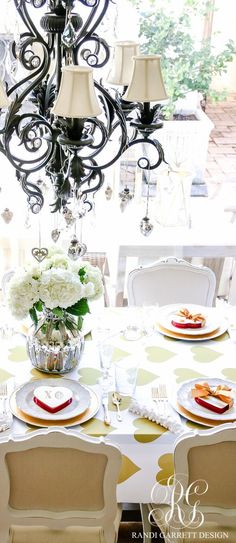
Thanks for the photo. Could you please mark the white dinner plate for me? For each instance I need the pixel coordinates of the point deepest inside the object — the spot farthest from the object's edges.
(168, 312)
(185, 400)
(80, 402)
(184, 337)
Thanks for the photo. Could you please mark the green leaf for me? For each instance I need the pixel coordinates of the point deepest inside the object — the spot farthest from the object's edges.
(70, 325)
(82, 274)
(39, 305)
(80, 322)
(33, 315)
(58, 312)
(80, 308)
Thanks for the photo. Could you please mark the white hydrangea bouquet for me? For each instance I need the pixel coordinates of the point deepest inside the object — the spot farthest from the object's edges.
(57, 284)
(56, 295)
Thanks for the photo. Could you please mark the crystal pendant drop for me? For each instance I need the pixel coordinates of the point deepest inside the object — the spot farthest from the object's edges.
(55, 234)
(146, 226)
(69, 35)
(108, 192)
(76, 249)
(7, 215)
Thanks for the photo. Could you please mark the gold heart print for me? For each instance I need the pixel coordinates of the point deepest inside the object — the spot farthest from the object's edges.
(39, 253)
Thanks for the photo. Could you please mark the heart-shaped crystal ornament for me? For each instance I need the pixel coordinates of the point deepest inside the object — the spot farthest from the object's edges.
(52, 399)
(39, 253)
(76, 249)
(55, 234)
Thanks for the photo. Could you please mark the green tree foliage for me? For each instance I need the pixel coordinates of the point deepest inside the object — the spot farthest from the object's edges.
(186, 65)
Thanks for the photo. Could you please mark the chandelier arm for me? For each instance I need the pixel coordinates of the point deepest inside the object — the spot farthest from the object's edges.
(35, 197)
(24, 15)
(158, 147)
(13, 126)
(100, 42)
(41, 71)
(85, 28)
(89, 178)
(44, 160)
(104, 136)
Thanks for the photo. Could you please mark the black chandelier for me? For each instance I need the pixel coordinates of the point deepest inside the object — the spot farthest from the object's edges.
(58, 119)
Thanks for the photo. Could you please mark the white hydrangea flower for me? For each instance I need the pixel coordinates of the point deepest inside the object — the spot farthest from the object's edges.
(56, 261)
(23, 292)
(93, 277)
(60, 288)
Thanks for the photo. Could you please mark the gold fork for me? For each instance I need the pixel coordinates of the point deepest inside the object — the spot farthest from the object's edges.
(159, 395)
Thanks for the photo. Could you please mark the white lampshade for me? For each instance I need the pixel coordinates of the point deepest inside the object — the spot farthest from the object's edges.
(122, 69)
(147, 83)
(4, 100)
(76, 97)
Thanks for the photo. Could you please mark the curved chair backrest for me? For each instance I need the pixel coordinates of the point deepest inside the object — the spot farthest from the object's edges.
(171, 281)
(209, 457)
(60, 487)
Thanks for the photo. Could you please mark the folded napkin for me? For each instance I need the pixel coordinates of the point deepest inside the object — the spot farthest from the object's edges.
(149, 409)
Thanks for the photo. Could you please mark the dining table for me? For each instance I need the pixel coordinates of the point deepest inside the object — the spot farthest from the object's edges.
(146, 446)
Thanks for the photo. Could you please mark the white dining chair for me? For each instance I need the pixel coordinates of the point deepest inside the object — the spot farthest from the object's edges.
(58, 487)
(171, 280)
(204, 462)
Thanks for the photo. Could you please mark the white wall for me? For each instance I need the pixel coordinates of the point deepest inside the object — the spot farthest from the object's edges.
(224, 22)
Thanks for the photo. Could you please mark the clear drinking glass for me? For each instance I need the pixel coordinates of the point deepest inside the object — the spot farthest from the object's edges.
(133, 324)
(105, 355)
(126, 371)
(6, 418)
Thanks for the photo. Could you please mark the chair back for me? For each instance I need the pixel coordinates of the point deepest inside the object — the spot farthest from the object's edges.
(58, 486)
(171, 281)
(208, 460)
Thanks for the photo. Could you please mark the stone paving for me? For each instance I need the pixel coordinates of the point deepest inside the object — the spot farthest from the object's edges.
(220, 173)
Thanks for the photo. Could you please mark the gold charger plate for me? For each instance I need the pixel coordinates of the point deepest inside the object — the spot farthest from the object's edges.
(201, 337)
(79, 419)
(200, 420)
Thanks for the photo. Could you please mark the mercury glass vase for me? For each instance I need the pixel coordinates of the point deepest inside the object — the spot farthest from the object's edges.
(56, 344)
